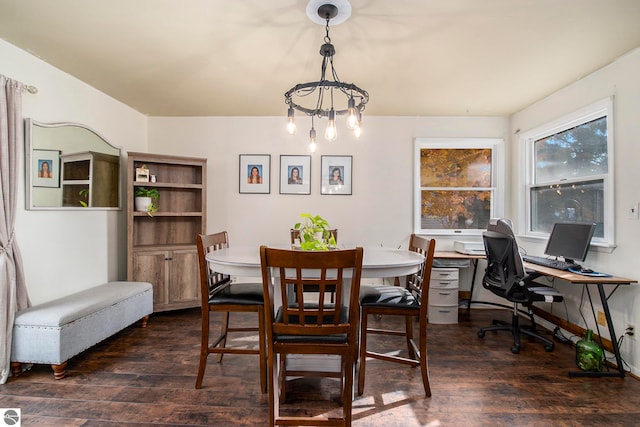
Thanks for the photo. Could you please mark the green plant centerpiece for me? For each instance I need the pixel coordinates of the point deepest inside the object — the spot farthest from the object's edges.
(314, 233)
(146, 199)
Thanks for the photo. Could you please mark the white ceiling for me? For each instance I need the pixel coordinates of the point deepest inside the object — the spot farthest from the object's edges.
(238, 57)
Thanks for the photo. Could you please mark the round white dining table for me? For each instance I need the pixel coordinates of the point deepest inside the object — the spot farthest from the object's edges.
(377, 262)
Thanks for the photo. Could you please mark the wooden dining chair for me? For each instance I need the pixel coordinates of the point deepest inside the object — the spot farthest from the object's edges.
(303, 323)
(409, 301)
(219, 294)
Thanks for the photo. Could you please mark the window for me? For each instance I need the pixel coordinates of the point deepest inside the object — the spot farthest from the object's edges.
(458, 185)
(570, 172)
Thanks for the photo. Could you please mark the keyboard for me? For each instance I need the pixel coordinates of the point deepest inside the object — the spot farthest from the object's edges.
(548, 262)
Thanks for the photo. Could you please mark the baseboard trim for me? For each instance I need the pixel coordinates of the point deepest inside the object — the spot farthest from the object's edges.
(571, 327)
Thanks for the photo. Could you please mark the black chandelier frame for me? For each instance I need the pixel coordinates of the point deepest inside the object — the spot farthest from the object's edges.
(302, 90)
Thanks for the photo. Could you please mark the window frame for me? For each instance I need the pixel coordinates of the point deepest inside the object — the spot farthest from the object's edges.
(596, 110)
(497, 179)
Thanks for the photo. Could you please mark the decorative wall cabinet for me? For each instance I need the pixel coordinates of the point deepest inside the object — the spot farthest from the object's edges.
(162, 245)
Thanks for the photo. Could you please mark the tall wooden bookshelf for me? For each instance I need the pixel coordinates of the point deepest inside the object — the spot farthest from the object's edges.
(162, 247)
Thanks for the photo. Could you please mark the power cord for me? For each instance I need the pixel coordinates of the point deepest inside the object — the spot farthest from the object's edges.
(559, 336)
(629, 331)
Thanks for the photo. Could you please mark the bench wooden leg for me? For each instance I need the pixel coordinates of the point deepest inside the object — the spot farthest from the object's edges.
(58, 370)
(144, 322)
(16, 368)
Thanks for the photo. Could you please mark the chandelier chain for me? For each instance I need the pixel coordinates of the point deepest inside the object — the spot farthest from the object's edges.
(327, 39)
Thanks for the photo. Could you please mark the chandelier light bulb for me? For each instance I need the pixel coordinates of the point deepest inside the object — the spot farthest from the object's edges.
(352, 116)
(291, 124)
(357, 130)
(312, 140)
(331, 133)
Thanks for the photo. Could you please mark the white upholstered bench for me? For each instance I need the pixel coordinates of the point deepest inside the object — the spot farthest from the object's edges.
(53, 332)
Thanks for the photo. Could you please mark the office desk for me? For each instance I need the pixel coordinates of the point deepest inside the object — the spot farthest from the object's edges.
(573, 278)
(579, 279)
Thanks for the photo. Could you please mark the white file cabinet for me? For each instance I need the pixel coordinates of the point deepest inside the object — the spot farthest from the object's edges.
(443, 296)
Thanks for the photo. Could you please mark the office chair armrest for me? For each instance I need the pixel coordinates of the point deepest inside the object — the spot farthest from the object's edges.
(531, 276)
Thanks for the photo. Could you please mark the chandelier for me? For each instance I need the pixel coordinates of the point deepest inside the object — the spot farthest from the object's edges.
(326, 97)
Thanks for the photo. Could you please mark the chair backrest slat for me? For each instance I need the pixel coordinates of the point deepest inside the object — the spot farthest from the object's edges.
(303, 311)
(211, 282)
(416, 282)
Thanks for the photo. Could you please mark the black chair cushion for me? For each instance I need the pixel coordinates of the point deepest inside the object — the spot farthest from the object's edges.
(339, 338)
(387, 296)
(239, 293)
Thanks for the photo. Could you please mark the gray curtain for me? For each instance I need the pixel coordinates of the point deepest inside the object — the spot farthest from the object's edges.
(13, 291)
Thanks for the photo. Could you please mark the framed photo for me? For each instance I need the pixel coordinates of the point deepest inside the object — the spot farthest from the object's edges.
(295, 174)
(336, 175)
(255, 173)
(45, 168)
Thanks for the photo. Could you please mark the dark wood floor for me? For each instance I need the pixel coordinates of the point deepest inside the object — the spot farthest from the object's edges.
(146, 377)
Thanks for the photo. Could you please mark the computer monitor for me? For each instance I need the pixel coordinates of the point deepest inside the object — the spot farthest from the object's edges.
(570, 240)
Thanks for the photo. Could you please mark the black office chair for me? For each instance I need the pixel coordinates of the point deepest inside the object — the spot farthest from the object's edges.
(505, 276)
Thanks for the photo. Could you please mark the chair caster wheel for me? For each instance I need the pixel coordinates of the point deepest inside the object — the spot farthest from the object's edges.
(481, 334)
(515, 349)
(548, 348)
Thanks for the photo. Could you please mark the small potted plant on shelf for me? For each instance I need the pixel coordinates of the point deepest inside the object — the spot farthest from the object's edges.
(84, 197)
(314, 233)
(146, 199)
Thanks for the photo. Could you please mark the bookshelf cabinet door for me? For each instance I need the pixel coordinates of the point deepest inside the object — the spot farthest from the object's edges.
(184, 280)
(153, 267)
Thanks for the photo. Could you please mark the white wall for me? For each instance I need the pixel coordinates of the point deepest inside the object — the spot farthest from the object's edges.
(380, 210)
(66, 251)
(621, 80)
